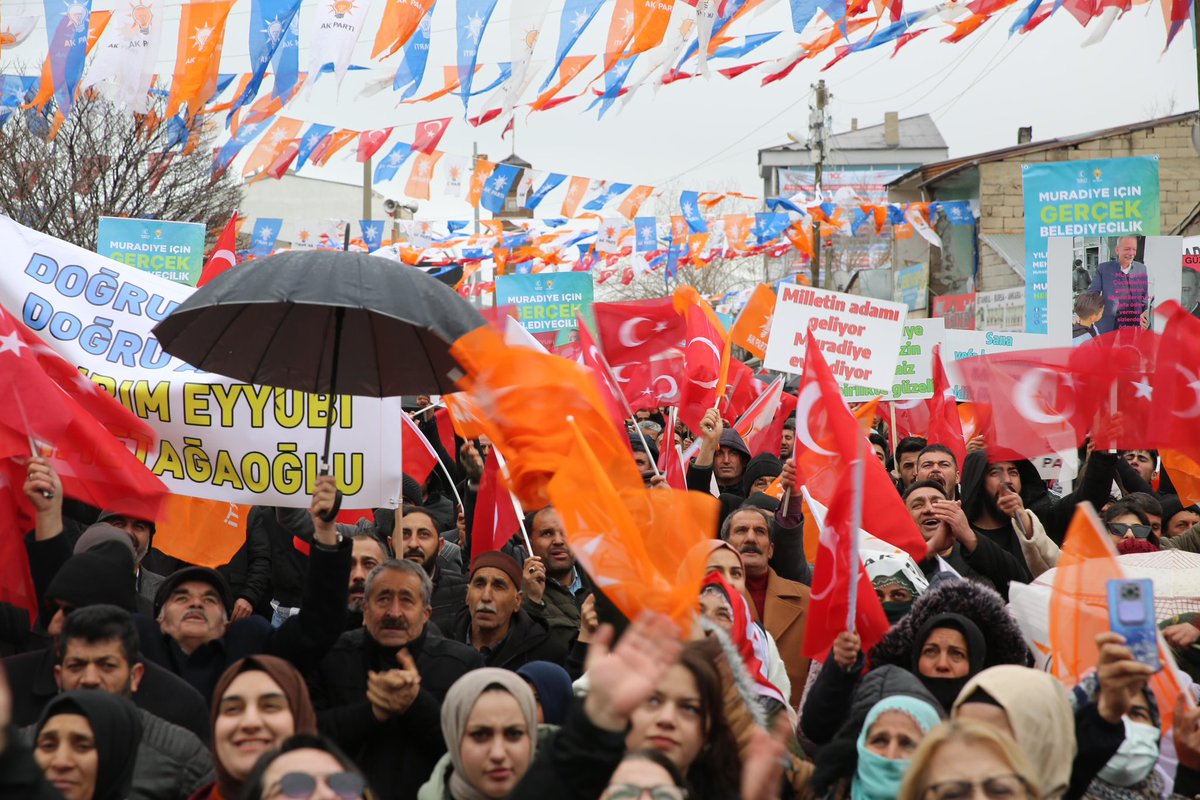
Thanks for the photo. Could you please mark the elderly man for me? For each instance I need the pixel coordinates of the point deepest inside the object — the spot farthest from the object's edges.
(779, 604)
(494, 623)
(196, 640)
(378, 692)
(1125, 285)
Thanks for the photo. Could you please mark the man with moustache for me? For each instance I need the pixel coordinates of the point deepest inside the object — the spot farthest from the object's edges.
(378, 692)
(418, 541)
(779, 604)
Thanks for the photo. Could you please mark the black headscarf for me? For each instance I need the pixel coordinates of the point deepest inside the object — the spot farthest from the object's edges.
(946, 689)
(116, 729)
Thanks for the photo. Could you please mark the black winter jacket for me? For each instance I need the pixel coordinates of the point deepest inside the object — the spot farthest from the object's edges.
(399, 754)
(528, 640)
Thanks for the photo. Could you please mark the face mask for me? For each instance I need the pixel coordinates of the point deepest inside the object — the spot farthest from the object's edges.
(876, 777)
(895, 610)
(1136, 757)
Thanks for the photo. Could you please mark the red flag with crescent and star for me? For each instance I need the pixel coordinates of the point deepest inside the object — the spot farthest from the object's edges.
(827, 437)
(224, 254)
(428, 134)
(633, 332)
(706, 356)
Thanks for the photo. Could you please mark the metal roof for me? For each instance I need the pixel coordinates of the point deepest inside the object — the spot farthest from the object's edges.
(916, 133)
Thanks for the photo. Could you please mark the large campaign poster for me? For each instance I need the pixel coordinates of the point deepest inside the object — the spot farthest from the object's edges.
(218, 439)
(1098, 197)
(547, 302)
(171, 250)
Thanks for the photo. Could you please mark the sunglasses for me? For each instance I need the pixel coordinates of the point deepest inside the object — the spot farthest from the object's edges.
(301, 785)
(631, 791)
(1121, 528)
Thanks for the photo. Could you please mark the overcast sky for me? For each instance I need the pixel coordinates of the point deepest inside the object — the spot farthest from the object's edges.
(703, 135)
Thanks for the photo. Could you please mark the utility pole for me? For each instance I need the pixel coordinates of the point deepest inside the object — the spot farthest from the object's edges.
(474, 166)
(817, 130)
(366, 189)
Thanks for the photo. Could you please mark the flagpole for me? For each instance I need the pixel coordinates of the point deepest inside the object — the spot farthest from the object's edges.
(859, 480)
(892, 425)
(787, 496)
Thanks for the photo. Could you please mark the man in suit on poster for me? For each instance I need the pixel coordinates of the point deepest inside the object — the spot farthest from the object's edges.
(1125, 286)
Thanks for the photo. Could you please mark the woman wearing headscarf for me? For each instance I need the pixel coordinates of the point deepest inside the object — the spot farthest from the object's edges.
(893, 729)
(489, 721)
(86, 744)
(552, 691)
(901, 646)
(964, 758)
(725, 559)
(258, 703)
(1131, 773)
(838, 762)
(1066, 747)
(897, 579)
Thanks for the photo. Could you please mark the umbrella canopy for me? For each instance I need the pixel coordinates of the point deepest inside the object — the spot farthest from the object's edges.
(277, 322)
(1173, 572)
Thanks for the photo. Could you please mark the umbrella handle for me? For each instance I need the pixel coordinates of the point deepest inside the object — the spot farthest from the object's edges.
(331, 514)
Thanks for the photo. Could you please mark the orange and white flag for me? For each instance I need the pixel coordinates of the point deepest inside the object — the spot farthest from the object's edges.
(420, 175)
(198, 55)
(400, 21)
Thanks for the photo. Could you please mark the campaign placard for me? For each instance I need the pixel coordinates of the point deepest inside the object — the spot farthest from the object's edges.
(911, 286)
(914, 367)
(171, 250)
(548, 301)
(859, 336)
(1096, 197)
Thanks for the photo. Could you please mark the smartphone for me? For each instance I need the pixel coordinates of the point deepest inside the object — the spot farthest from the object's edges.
(1131, 614)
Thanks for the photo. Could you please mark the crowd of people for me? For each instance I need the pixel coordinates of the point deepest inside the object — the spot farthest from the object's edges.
(389, 659)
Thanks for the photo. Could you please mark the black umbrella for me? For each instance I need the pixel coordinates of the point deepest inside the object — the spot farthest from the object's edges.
(322, 321)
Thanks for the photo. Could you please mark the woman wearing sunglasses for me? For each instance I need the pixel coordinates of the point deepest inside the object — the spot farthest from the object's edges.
(1127, 523)
(306, 767)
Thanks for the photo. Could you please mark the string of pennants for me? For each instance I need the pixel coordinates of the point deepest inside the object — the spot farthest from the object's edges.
(648, 43)
(608, 247)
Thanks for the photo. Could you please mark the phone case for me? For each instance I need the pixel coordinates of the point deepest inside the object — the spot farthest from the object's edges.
(1131, 614)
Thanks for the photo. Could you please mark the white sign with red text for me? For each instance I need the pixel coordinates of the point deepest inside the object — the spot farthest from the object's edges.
(859, 336)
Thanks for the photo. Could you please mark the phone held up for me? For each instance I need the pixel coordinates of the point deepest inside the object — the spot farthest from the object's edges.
(1131, 614)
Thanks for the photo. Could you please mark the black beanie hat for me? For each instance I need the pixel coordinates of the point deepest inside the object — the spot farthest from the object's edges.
(103, 574)
(411, 491)
(648, 448)
(762, 464)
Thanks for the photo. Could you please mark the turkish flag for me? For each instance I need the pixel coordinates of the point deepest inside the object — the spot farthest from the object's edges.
(670, 457)
(754, 426)
(837, 573)
(428, 134)
(908, 417)
(828, 439)
(652, 384)
(1177, 382)
(495, 519)
(742, 390)
(1028, 403)
(633, 332)
(369, 143)
(1114, 378)
(945, 426)
(610, 391)
(445, 427)
(417, 454)
(706, 357)
(224, 254)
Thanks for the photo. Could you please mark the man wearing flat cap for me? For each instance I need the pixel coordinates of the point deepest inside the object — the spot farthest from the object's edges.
(195, 639)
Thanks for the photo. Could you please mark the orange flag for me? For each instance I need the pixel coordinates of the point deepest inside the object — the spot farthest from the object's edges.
(96, 24)
(1079, 608)
(483, 170)
(400, 21)
(272, 144)
(571, 67)
(203, 532)
(422, 170)
(525, 398)
(1185, 475)
(650, 18)
(633, 201)
(753, 326)
(638, 544)
(198, 56)
(620, 31)
(575, 192)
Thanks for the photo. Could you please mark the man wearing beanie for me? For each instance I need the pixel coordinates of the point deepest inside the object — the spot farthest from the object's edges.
(495, 624)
